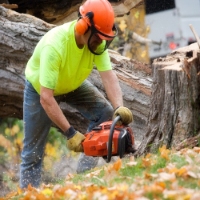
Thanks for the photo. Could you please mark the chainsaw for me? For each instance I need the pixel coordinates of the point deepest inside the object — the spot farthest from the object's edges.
(109, 139)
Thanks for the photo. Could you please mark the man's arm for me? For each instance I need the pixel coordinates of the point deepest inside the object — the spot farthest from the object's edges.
(112, 88)
(52, 109)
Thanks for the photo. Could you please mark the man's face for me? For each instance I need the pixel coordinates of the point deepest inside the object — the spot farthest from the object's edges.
(95, 41)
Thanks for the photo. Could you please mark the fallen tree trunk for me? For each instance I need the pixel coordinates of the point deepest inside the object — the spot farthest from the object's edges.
(19, 33)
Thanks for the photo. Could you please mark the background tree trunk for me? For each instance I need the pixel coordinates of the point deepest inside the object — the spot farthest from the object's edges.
(19, 35)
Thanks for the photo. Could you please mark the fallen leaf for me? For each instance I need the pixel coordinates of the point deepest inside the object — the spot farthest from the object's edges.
(146, 162)
(164, 152)
(163, 176)
(94, 173)
(47, 192)
(150, 176)
(193, 175)
(132, 163)
(196, 149)
(117, 165)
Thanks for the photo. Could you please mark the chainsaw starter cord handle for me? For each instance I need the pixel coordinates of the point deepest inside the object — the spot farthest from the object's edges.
(111, 138)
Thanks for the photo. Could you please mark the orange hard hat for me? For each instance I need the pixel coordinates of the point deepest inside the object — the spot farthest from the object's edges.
(103, 16)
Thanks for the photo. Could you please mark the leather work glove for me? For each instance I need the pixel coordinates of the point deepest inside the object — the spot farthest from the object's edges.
(126, 116)
(74, 140)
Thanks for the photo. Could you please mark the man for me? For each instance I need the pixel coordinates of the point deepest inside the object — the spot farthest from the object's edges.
(57, 71)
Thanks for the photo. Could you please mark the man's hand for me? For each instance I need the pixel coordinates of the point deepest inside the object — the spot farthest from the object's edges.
(75, 143)
(74, 140)
(125, 114)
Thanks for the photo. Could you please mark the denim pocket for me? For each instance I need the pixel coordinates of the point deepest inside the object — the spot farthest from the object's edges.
(31, 97)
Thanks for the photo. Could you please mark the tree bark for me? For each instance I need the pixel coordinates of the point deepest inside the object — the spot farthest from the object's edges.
(175, 100)
(19, 34)
(189, 142)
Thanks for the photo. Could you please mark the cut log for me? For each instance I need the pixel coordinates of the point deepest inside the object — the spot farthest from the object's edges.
(19, 33)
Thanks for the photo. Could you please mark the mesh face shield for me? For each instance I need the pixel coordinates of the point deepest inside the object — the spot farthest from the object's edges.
(98, 42)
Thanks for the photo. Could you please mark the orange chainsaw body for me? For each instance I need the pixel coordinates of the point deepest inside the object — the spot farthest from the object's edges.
(96, 142)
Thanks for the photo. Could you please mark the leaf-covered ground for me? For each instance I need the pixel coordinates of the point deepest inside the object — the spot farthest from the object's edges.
(169, 175)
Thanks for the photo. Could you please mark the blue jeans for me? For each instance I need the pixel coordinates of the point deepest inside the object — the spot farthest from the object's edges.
(86, 99)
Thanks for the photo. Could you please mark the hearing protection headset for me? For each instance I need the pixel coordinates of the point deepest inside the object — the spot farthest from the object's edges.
(83, 22)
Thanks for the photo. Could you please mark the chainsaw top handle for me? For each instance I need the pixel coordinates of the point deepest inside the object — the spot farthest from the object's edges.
(111, 138)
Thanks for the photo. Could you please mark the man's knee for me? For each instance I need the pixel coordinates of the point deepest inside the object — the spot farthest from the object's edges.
(108, 112)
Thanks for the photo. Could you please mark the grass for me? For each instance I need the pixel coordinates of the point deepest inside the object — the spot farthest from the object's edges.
(165, 175)
(180, 161)
(157, 176)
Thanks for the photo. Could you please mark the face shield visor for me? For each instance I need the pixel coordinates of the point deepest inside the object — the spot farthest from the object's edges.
(98, 42)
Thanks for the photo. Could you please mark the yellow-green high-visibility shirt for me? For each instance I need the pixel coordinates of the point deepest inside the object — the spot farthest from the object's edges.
(58, 64)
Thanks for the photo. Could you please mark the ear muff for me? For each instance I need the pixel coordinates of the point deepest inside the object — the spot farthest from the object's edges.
(81, 26)
(83, 23)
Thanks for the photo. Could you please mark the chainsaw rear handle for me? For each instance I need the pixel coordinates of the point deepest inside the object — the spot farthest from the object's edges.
(111, 138)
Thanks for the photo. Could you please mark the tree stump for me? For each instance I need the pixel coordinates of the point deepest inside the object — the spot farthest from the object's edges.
(175, 100)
